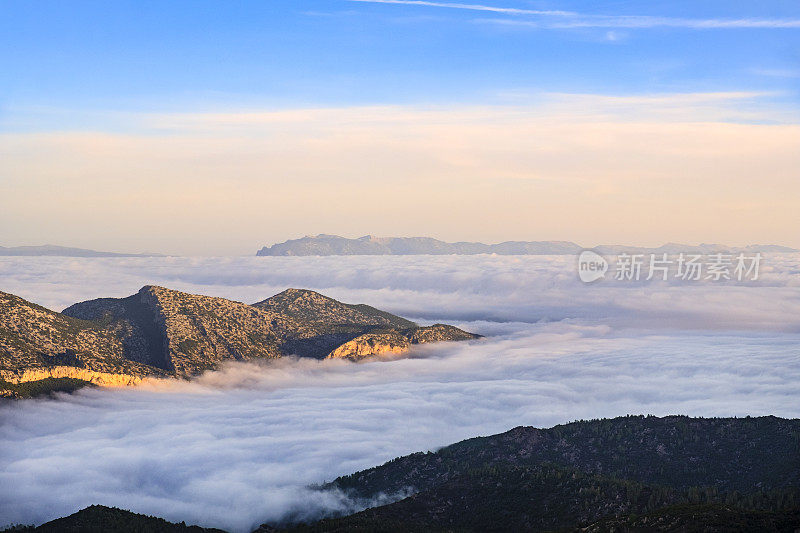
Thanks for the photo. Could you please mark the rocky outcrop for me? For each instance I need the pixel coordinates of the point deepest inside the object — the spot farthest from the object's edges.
(328, 323)
(159, 332)
(102, 379)
(371, 344)
(34, 340)
(395, 342)
(199, 332)
(438, 333)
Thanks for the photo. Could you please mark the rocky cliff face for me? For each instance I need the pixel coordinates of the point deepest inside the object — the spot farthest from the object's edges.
(35, 341)
(393, 341)
(327, 323)
(369, 344)
(103, 379)
(159, 332)
(186, 333)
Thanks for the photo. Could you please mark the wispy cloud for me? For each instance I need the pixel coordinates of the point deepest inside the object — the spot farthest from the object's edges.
(570, 19)
(471, 7)
(776, 72)
(643, 22)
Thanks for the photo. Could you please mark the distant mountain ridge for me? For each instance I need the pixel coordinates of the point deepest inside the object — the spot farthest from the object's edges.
(63, 251)
(159, 332)
(321, 245)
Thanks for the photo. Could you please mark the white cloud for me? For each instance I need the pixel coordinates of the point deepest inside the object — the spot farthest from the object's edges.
(571, 19)
(776, 72)
(237, 447)
(505, 288)
(470, 7)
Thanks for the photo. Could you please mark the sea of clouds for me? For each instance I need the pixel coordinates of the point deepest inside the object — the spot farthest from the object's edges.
(239, 447)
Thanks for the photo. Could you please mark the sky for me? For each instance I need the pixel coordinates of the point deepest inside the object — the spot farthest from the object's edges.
(239, 446)
(208, 128)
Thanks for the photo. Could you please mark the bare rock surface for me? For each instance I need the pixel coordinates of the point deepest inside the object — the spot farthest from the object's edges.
(159, 332)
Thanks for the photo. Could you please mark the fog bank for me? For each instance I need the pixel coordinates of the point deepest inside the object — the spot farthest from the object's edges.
(238, 447)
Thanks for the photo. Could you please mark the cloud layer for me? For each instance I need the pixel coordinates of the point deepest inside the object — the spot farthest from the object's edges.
(499, 288)
(238, 447)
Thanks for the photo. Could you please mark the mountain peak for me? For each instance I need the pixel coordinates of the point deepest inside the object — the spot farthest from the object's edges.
(163, 332)
(152, 289)
(308, 305)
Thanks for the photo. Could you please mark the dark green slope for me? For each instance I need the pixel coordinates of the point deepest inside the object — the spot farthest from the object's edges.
(677, 451)
(746, 472)
(551, 498)
(101, 519)
(41, 387)
(628, 474)
(311, 306)
(541, 498)
(701, 518)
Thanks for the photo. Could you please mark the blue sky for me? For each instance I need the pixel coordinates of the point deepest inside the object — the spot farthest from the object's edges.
(204, 55)
(123, 125)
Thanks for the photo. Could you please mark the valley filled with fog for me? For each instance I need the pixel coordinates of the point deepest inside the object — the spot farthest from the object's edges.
(240, 446)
